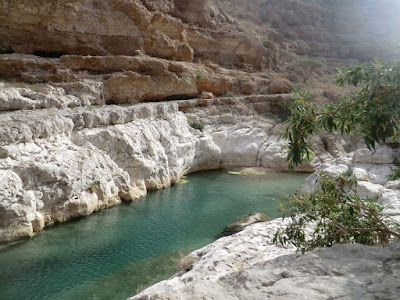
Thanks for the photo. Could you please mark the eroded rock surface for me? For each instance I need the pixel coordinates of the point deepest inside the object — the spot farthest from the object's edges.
(247, 266)
(61, 164)
(75, 80)
(373, 170)
(174, 30)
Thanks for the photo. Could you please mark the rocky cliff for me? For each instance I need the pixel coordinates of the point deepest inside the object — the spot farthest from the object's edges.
(249, 34)
(76, 135)
(60, 164)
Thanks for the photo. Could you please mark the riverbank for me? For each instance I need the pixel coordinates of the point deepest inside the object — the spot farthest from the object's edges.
(116, 252)
(60, 164)
(248, 266)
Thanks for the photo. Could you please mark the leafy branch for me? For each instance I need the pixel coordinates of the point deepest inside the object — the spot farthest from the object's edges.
(336, 214)
(374, 112)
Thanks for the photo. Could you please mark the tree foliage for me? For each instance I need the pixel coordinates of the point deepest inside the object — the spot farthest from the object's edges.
(374, 112)
(336, 214)
(307, 66)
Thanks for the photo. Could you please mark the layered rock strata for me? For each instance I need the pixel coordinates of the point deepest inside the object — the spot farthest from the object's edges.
(32, 82)
(174, 30)
(59, 164)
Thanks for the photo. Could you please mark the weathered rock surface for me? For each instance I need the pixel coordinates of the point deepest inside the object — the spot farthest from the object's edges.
(247, 266)
(250, 35)
(75, 80)
(242, 223)
(61, 164)
(141, 147)
(372, 169)
(173, 30)
(346, 29)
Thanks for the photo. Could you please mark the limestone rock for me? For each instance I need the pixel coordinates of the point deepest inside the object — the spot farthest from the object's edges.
(322, 28)
(242, 224)
(206, 95)
(68, 163)
(57, 27)
(75, 80)
(246, 266)
(164, 29)
(23, 96)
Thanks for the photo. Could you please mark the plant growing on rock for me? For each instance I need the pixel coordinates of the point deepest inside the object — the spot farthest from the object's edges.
(335, 213)
(196, 124)
(374, 113)
(307, 66)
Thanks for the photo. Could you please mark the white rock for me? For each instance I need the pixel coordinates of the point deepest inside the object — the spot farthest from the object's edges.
(246, 266)
(368, 190)
(375, 173)
(383, 154)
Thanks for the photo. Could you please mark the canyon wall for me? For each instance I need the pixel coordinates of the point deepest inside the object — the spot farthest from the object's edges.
(244, 34)
(61, 164)
(66, 150)
(356, 29)
(75, 136)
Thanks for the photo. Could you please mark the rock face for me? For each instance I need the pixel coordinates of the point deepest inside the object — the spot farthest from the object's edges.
(66, 149)
(85, 27)
(327, 28)
(247, 266)
(336, 28)
(372, 169)
(174, 30)
(60, 164)
(75, 80)
(250, 35)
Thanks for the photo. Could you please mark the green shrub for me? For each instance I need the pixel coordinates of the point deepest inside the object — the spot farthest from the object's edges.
(196, 124)
(374, 113)
(335, 213)
(307, 66)
(395, 171)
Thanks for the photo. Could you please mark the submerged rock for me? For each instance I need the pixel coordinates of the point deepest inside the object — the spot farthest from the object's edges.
(242, 224)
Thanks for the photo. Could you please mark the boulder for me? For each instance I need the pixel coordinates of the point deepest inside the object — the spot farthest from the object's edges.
(242, 224)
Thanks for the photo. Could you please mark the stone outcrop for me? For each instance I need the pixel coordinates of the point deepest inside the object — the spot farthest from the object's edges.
(72, 162)
(61, 164)
(243, 223)
(247, 266)
(174, 30)
(75, 80)
(250, 35)
(372, 169)
(66, 150)
(51, 28)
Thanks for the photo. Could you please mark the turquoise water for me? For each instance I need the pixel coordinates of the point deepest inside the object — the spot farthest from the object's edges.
(117, 252)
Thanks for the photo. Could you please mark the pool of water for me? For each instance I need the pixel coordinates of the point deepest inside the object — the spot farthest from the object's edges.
(117, 252)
